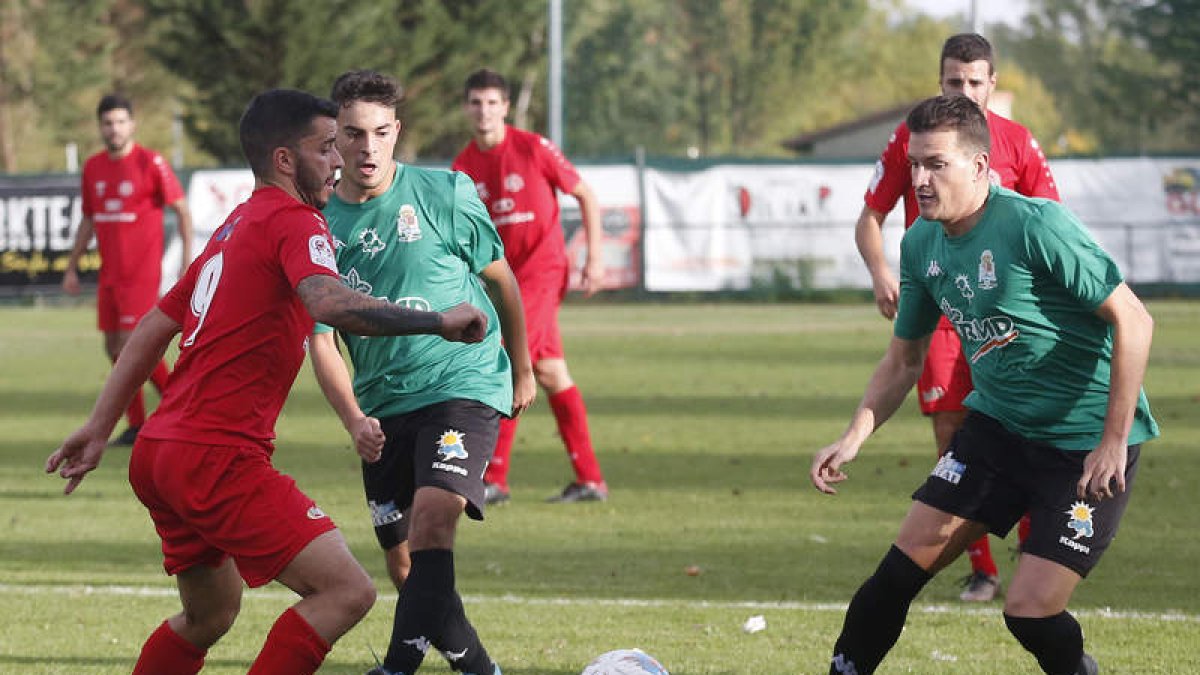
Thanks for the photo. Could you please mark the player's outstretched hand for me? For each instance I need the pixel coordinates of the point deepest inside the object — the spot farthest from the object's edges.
(1103, 472)
(826, 466)
(463, 323)
(368, 439)
(78, 455)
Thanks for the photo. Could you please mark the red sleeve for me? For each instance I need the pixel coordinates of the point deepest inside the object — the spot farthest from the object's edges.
(892, 176)
(1033, 174)
(555, 166)
(169, 189)
(303, 244)
(177, 300)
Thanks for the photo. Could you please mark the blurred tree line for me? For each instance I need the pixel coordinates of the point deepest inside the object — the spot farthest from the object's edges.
(677, 77)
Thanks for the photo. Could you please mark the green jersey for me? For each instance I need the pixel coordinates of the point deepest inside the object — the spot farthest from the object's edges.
(1021, 288)
(421, 244)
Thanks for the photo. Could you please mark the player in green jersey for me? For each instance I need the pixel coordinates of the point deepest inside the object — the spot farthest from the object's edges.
(423, 418)
(1057, 345)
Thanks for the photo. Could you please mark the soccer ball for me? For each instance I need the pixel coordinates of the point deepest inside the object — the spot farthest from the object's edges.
(625, 662)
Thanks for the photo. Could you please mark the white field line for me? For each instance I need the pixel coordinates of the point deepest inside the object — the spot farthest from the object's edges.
(281, 594)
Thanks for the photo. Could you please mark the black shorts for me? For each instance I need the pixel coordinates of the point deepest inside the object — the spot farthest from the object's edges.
(993, 476)
(446, 445)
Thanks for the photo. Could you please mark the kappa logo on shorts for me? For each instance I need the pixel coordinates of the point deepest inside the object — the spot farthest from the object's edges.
(419, 643)
(450, 445)
(1081, 522)
(949, 469)
(315, 513)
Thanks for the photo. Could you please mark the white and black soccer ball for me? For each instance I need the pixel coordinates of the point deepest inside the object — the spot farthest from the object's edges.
(625, 662)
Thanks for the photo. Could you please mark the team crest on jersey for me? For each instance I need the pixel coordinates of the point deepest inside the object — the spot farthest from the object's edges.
(964, 286)
(125, 189)
(987, 271)
(513, 182)
(934, 269)
(408, 229)
(370, 242)
(356, 282)
(320, 252)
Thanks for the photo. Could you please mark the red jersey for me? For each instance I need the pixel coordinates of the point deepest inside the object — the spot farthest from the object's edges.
(517, 181)
(244, 328)
(125, 199)
(1017, 163)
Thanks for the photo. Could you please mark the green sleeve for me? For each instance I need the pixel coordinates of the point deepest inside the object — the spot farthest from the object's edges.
(1057, 243)
(322, 328)
(918, 313)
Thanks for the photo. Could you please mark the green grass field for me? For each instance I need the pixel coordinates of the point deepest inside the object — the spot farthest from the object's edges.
(706, 418)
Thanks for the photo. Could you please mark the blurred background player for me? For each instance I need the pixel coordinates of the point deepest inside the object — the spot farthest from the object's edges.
(518, 174)
(1017, 163)
(1059, 346)
(202, 464)
(124, 190)
(434, 407)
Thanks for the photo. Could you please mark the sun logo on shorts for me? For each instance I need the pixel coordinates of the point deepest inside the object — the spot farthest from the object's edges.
(450, 445)
(1081, 519)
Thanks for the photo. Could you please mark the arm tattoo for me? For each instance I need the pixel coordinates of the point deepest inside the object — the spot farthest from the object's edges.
(330, 302)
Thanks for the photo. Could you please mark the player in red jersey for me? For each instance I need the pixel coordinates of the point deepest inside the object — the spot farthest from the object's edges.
(518, 174)
(1017, 163)
(202, 464)
(124, 190)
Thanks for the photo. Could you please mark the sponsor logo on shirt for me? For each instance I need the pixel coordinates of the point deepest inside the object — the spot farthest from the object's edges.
(949, 469)
(993, 332)
(964, 286)
(408, 229)
(315, 513)
(320, 251)
(370, 242)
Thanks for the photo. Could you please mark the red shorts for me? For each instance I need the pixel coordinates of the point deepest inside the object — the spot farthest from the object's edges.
(210, 502)
(119, 308)
(541, 297)
(946, 379)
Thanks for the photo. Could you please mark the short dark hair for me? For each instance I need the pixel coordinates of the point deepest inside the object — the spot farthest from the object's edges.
(486, 78)
(278, 118)
(968, 48)
(113, 102)
(954, 113)
(366, 85)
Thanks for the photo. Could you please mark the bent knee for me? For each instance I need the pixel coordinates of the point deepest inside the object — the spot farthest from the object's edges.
(359, 597)
(206, 629)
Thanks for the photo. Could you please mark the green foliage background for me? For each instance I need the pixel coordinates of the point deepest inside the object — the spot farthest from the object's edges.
(717, 77)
